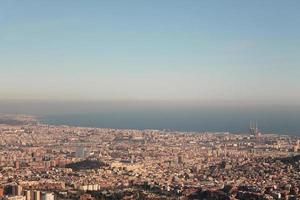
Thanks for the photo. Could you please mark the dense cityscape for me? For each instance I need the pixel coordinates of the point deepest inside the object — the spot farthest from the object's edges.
(41, 161)
(149, 100)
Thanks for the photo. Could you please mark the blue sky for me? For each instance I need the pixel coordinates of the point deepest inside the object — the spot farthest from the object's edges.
(150, 50)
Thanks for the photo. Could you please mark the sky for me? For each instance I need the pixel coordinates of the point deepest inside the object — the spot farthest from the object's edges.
(193, 50)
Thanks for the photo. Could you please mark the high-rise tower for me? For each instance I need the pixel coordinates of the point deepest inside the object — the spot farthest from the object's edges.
(254, 129)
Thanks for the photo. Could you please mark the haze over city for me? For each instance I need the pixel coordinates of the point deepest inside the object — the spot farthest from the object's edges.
(144, 50)
(149, 100)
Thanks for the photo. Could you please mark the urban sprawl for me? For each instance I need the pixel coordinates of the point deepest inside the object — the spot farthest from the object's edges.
(46, 162)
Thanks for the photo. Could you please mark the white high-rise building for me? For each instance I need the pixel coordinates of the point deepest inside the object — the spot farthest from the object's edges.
(80, 152)
(28, 195)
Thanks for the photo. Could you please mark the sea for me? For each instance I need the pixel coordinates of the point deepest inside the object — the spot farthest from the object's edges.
(193, 117)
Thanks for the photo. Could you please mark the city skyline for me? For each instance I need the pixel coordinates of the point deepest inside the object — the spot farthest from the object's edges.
(149, 100)
(150, 51)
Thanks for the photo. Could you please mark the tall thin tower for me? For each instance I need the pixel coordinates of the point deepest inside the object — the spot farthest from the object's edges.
(254, 129)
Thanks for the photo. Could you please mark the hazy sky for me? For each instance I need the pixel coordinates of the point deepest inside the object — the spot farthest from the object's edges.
(150, 50)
